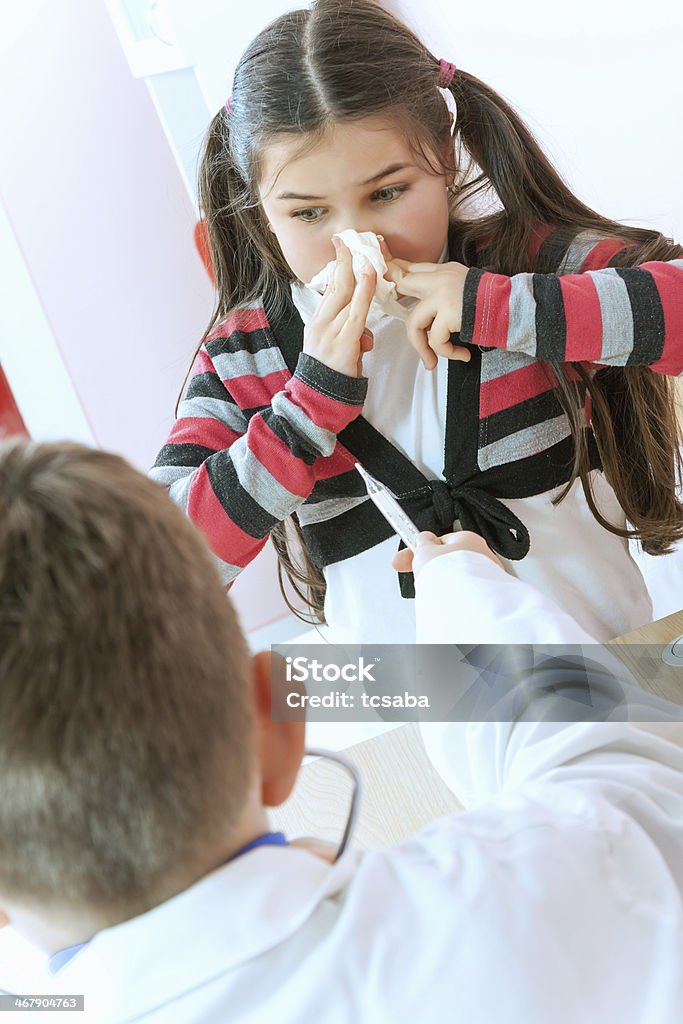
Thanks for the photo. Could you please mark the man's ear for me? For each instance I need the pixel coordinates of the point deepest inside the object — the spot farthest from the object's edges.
(281, 744)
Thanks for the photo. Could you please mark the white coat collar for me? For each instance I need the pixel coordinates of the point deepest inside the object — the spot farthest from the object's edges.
(229, 917)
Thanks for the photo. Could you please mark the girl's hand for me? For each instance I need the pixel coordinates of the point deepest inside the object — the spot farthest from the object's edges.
(337, 334)
(438, 314)
(430, 546)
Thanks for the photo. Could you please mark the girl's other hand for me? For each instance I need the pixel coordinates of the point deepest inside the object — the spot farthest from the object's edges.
(337, 334)
(430, 546)
(438, 314)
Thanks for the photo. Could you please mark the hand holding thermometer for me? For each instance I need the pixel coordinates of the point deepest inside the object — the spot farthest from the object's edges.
(390, 509)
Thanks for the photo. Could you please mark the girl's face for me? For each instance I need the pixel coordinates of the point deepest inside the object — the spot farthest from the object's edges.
(362, 176)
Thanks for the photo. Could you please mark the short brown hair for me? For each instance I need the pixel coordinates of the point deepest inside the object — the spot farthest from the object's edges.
(125, 699)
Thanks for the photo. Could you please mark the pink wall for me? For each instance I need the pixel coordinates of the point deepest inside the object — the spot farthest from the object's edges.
(102, 217)
(104, 222)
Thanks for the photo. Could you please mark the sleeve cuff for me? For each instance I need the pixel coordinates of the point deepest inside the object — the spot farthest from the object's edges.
(329, 382)
(469, 304)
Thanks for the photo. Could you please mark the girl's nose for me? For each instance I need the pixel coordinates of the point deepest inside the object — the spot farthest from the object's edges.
(361, 225)
(357, 220)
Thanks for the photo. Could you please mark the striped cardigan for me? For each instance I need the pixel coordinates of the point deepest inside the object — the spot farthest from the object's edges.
(265, 430)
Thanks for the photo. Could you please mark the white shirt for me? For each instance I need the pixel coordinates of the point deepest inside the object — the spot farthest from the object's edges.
(556, 897)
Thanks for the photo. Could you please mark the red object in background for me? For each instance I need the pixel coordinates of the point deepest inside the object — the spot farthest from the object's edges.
(201, 241)
(10, 417)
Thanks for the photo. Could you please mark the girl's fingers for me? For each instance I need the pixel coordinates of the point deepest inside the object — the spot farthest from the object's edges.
(394, 271)
(339, 293)
(344, 281)
(421, 268)
(415, 283)
(440, 342)
(384, 248)
(440, 336)
(419, 320)
(356, 315)
(337, 335)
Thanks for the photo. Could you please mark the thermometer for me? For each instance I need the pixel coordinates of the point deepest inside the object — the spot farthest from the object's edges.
(390, 509)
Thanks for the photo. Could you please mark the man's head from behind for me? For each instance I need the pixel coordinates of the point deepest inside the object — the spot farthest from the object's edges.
(131, 746)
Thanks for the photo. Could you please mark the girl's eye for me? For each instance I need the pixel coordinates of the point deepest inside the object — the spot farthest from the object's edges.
(303, 215)
(312, 214)
(389, 193)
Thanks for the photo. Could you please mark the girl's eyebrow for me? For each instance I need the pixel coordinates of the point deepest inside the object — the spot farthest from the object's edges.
(391, 169)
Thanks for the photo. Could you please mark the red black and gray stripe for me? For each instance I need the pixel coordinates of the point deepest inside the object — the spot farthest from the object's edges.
(265, 430)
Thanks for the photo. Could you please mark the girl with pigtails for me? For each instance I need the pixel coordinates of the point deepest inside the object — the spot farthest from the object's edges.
(526, 396)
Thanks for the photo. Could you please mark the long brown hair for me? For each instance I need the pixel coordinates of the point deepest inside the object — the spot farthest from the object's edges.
(345, 60)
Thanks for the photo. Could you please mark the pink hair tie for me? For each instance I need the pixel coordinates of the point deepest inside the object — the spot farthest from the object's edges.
(446, 72)
(228, 104)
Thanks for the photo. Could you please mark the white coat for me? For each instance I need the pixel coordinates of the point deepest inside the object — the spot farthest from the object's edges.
(556, 897)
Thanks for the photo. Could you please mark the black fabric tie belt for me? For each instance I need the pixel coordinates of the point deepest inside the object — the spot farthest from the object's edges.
(436, 510)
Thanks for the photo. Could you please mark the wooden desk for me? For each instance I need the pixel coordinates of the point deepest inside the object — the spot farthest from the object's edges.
(402, 792)
(653, 674)
(663, 631)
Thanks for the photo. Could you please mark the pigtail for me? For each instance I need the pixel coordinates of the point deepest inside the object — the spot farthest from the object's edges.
(247, 267)
(633, 409)
(233, 266)
(303, 576)
(492, 138)
(247, 260)
(222, 197)
(247, 264)
(497, 151)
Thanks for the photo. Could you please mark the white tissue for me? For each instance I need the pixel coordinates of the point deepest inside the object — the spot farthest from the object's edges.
(386, 301)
